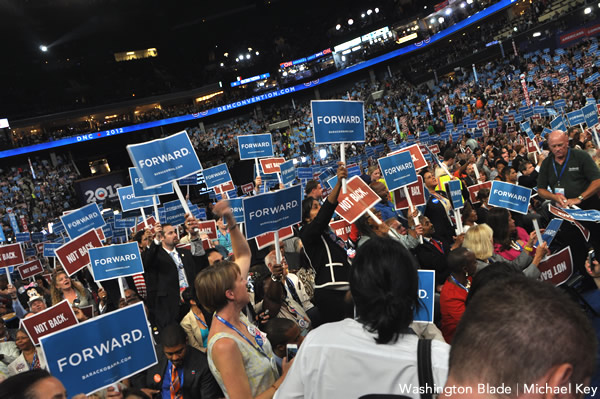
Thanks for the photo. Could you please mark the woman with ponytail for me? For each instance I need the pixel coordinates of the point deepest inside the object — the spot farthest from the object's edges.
(331, 361)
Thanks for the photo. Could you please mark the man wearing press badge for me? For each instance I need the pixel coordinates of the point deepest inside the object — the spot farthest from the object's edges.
(570, 177)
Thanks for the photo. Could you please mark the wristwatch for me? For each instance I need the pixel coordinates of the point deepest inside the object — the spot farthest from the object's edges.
(580, 197)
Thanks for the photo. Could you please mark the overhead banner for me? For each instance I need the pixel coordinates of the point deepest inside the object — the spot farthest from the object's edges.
(101, 351)
(119, 260)
(216, 175)
(11, 255)
(140, 191)
(99, 188)
(271, 165)
(255, 146)
(272, 211)
(425, 312)
(163, 160)
(510, 196)
(130, 202)
(338, 121)
(358, 199)
(48, 321)
(74, 254)
(83, 219)
(416, 192)
(398, 170)
(557, 268)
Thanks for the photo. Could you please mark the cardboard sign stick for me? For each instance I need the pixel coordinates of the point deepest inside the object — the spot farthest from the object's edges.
(343, 159)
(277, 247)
(180, 196)
(6, 269)
(457, 217)
(144, 217)
(596, 137)
(391, 232)
(410, 210)
(279, 178)
(257, 167)
(89, 267)
(121, 286)
(536, 226)
(155, 207)
(477, 176)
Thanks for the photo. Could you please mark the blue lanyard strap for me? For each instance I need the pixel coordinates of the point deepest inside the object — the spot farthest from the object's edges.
(33, 361)
(200, 320)
(563, 168)
(259, 342)
(459, 284)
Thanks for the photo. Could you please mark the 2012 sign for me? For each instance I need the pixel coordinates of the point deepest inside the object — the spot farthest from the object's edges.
(101, 193)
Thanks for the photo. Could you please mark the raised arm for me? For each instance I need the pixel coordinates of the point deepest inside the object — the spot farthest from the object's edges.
(241, 249)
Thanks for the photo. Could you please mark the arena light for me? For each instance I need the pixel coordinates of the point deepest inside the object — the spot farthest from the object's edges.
(323, 153)
(247, 56)
(362, 15)
(463, 4)
(469, 1)
(537, 34)
(226, 54)
(432, 21)
(369, 12)
(441, 20)
(587, 10)
(257, 53)
(338, 27)
(350, 21)
(448, 11)
(515, 29)
(376, 10)
(43, 48)
(222, 64)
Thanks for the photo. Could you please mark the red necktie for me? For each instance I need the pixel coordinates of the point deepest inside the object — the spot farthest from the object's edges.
(437, 245)
(175, 383)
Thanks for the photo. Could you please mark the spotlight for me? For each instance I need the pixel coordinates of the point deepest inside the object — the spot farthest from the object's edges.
(362, 15)
(441, 20)
(432, 21)
(247, 56)
(257, 53)
(369, 12)
(587, 10)
(376, 10)
(350, 21)
(463, 4)
(537, 34)
(448, 11)
(338, 27)
(43, 48)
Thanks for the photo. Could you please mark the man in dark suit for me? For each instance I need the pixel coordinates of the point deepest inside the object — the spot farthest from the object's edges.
(169, 271)
(181, 372)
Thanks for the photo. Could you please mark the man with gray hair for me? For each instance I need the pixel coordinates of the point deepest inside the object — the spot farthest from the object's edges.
(521, 338)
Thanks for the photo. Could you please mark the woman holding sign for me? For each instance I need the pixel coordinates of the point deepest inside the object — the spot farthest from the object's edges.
(325, 254)
(239, 355)
(437, 209)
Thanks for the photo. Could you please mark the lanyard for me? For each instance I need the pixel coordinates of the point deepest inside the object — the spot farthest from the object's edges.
(170, 375)
(459, 284)
(563, 168)
(33, 362)
(257, 336)
(200, 320)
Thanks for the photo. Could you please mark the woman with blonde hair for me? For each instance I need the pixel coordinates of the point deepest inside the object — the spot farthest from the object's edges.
(240, 356)
(63, 287)
(480, 240)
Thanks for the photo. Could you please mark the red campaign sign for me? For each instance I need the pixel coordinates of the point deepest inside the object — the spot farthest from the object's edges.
(141, 226)
(557, 268)
(435, 149)
(536, 117)
(209, 228)
(11, 255)
(74, 254)
(415, 153)
(598, 108)
(271, 165)
(264, 240)
(511, 117)
(224, 187)
(30, 269)
(511, 129)
(247, 188)
(416, 192)
(184, 246)
(530, 146)
(207, 244)
(24, 224)
(56, 318)
(341, 228)
(474, 189)
(564, 215)
(357, 200)
(564, 79)
(100, 233)
(468, 150)
(482, 124)
(39, 247)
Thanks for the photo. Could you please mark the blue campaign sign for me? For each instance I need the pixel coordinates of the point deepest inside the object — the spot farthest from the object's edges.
(201, 213)
(174, 213)
(354, 171)
(398, 170)
(140, 191)
(121, 223)
(101, 351)
(558, 123)
(551, 231)
(108, 230)
(113, 261)
(273, 211)
(453, 187)
(29, 251)
(191, 180)
(583, 215)
(332, 181)
(255, 146)
(288, 173)
(216, 175)
(83, 219)
(163, 160)
(338, 121)
(575, 117)
(37, 237)
(195, 211)
(546, 132)
(590, 114)
(539, 109)
(130, 202)
(58, 227)
(49, 248)
(237, 206)
(425, 312)
(23, 237)
(560, 104)
(510, 196)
